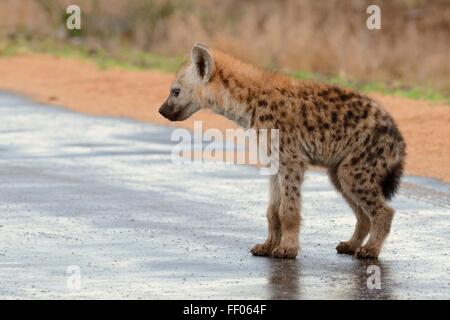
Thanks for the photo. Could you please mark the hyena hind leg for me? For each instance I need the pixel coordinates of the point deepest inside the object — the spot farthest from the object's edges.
(362, 229)
(362, 226)
(381, 216)
(273, 219)
(367, 194)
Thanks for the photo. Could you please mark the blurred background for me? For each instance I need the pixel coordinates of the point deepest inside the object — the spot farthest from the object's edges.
(307, 38)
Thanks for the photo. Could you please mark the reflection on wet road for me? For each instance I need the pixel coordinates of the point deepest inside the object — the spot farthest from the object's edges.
(102, 194)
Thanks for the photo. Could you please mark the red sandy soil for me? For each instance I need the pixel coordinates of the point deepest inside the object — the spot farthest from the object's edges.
(81, 86)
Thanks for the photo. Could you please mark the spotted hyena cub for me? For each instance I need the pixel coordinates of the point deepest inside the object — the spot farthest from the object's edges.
(321, 125)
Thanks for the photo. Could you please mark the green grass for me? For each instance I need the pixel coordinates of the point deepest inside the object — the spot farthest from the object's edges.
(124, 59)
(415, 93)
(137, 60)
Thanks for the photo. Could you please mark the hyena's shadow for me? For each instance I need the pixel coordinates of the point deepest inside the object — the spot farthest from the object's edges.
(284, 278)
(370, 279)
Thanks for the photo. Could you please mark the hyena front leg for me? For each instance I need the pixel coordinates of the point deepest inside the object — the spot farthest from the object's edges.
(265, 248)
(289, 212)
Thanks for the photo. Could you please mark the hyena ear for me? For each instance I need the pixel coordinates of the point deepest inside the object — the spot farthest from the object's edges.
(203, 62)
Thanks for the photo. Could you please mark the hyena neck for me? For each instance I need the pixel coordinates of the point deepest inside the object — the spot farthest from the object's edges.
(232, 91)
(232, 110)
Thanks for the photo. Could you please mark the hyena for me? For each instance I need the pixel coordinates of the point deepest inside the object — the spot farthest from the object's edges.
(320, 125)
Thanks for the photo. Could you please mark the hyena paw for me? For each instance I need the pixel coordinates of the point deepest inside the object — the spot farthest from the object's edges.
(261, 249)
(284, 252)
(346, 247)
(367, 251)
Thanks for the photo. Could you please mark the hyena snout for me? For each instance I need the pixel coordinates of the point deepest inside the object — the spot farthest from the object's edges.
(168, 111)
(174, 112)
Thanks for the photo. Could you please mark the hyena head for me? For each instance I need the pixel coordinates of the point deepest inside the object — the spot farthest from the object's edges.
(187, 89)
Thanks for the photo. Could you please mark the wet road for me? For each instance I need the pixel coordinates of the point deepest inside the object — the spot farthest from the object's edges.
(102, 197)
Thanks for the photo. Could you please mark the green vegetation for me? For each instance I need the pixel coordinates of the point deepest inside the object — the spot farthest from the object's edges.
(137, 60)
(124, 59)
(386, 89)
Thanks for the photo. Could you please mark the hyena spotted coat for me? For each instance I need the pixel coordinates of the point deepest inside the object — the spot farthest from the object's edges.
(322, 125)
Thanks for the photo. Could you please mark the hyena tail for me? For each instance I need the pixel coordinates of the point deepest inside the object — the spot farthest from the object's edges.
(391, 181)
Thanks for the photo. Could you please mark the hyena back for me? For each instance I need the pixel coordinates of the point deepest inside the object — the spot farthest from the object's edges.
(319, 124)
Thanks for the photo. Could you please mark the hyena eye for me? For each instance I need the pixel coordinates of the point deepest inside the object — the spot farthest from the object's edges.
(175, 92)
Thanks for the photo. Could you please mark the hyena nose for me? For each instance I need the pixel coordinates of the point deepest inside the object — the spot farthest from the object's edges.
(167, 112)
(163, 110)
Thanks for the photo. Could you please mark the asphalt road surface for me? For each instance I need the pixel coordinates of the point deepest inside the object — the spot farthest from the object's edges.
(93, 207)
